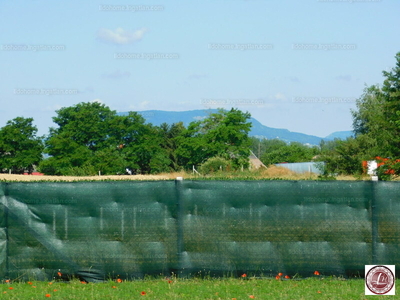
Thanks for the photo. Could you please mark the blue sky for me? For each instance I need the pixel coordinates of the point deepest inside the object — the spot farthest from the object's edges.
(298, 65)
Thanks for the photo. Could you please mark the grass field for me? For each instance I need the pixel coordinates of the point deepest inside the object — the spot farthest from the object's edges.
(225, 288)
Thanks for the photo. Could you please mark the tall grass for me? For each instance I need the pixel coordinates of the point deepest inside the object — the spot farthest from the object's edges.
(271, 173)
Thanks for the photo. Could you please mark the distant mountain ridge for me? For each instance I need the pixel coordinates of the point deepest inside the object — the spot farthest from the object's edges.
(157, 117)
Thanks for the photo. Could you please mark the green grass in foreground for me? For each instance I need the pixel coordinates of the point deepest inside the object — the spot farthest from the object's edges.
(312, 288)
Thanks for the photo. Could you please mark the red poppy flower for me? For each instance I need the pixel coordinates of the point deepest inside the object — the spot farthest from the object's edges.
(251, 296)
(55, 290)
(10, 288)
(316, 273)
(7, 280)
(143, 293)
(119, 280)
(319, 292)
(50, 283)
(169, 281)
(83, 282)
(277, 277)
(48, 295)
(29, 282)
(114, 287)
(280, 274)
(244, 275)
(59, 274)
(287, 277)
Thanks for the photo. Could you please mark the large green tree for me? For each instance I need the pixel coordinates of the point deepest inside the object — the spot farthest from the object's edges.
(82, 131)
(223, 134)
(260, 146)
(92, 138)
(277, 151)
(370, 123)
(169, 142)
(391, 107)
(377, 116)
(20, 148)
(345, 156)
(376, 125)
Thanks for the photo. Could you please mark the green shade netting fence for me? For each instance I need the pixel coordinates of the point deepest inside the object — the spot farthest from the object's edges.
(101, 230)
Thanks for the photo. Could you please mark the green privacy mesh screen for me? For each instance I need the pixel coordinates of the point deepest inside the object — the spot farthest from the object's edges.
(101, 230)
(91, 230)
(386, 214)
(3, 233)
(277, 226)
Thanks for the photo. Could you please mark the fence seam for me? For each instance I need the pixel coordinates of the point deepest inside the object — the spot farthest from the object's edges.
(7, 271)
(179, 226)
(374, 225)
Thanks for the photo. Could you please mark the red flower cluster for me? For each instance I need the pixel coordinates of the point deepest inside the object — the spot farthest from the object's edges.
(279, 276)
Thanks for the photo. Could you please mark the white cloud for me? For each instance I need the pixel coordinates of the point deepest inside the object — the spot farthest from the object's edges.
(97, 100)
(120, 36)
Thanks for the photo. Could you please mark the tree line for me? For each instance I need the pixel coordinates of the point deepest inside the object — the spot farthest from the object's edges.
(91, 138)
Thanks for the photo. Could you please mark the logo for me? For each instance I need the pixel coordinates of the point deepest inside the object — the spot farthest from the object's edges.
(379, 280)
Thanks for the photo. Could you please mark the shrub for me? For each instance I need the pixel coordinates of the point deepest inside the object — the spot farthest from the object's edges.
(215, 164)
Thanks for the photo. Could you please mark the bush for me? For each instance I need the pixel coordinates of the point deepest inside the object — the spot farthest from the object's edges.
(215, 164)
